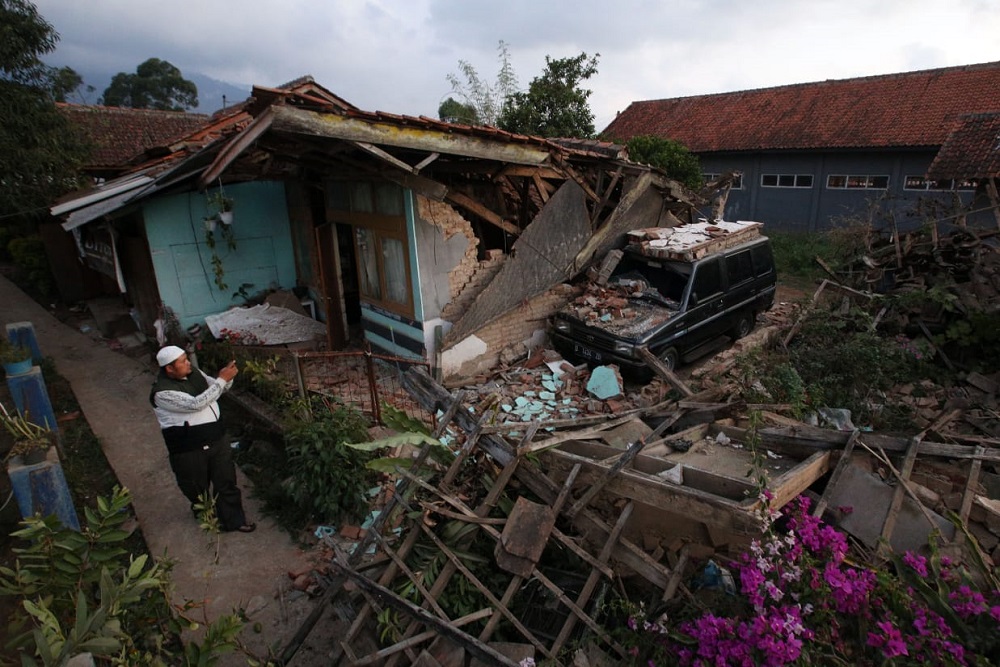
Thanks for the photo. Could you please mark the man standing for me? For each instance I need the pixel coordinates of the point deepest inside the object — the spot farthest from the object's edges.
(185, 401)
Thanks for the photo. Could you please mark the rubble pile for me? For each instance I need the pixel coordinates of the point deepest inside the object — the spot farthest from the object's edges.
(965, 264)
(547, 388)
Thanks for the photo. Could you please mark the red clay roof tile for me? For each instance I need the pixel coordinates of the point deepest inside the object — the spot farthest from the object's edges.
(971, 151)
(119, 134)
(896, 110)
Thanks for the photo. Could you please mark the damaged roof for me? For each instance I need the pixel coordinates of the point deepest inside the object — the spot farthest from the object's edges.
(972, 150)
(119, 134)
(909, 109)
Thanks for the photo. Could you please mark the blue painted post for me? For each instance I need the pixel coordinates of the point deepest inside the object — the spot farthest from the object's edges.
(23, 333)
(32, 399)
(40, 488)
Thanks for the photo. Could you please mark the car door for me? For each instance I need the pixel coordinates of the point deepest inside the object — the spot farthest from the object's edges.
(705, 305)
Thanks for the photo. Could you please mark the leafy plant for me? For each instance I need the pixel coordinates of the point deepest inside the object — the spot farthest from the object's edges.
(208, 519)
(328, 479)
(666, 154)
(83, 592)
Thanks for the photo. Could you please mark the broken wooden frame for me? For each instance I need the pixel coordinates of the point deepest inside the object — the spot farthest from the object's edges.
(554, 513)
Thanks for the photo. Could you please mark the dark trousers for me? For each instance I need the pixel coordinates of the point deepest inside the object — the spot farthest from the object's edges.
(213, 467)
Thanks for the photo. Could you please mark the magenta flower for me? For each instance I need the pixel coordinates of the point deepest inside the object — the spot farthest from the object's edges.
(917, 562)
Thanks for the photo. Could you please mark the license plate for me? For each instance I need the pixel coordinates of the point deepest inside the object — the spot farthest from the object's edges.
(586, 352)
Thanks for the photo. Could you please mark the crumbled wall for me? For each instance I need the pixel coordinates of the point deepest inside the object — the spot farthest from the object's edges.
(444, 239)
(510, 336)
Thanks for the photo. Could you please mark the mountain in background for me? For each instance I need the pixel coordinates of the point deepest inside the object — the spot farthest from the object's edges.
(212, 94)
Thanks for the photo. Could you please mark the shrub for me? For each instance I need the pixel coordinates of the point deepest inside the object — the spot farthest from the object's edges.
(83, 592)
(326, 479)
(32, 271)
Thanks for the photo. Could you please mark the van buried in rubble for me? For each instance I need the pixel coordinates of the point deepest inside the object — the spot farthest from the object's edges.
(674, 290)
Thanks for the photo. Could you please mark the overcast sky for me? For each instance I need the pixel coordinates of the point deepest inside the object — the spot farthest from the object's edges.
(394, 55)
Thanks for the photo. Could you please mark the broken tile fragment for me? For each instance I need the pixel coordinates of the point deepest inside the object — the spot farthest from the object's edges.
(604, 383)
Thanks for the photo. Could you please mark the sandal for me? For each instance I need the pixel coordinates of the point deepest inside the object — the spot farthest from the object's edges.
(247, 528)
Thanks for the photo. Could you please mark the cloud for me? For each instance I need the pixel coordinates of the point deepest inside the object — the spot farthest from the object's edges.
(394, 55)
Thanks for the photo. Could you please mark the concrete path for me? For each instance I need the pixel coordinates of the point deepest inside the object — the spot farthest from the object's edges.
(252, 569)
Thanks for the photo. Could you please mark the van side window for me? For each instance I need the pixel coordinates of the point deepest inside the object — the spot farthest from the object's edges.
(739, 268)
(763, 262)
(707, 280)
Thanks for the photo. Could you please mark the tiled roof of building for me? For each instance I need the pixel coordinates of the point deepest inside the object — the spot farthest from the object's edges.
(972, 149)
(909, 109)
(120, 134)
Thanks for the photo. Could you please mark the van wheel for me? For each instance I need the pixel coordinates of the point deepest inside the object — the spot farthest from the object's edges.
(744, 325)
(669, 357)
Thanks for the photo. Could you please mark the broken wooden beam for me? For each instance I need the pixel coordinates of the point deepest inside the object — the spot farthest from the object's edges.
(663, 371)
(480, 650)
(433, 396)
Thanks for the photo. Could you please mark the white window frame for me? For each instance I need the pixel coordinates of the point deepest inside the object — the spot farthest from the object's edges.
(796, 178)
(867, 178)
(927, 183)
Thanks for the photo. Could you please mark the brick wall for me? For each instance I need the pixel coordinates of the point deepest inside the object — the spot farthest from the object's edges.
(507, 337)
(451, 222)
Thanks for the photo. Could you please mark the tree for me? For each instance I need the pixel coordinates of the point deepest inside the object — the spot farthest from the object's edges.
(40, 152)
(453, 111)
(487, 101)
(156, 84)
(555, 105)
(670, 156)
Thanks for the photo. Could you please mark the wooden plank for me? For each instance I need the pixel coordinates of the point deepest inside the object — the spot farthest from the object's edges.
(613, 470)
(675, 579)
(970, 486)
(897, 497)
(799, 441)
(517, 581)
(661, 369)
(470, 204)
(383, 133)
(584, 434)
(480, 650)
(483, 589)
(594, 577)
(417, 639)
(431, 396)
(802, 316)
(838, 472)
(793, 482)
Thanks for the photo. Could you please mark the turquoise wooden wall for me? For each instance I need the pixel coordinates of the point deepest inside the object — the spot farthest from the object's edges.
(182, 260)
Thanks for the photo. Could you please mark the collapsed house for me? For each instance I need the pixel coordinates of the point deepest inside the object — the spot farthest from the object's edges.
(443, 243)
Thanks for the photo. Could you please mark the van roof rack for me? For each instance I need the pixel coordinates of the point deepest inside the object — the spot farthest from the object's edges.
(693, 241)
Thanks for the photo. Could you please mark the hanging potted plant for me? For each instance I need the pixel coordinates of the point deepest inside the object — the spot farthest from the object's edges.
(16, 358)
(222, 205)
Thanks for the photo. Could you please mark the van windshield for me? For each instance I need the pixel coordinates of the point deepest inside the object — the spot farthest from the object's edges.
(664, 281)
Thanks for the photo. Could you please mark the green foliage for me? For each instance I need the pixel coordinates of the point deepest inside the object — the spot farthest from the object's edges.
(40, 152)
(83, 592)
(795, 254)
(485, 100)
(32, 265)
(453, 111)
(24, 37)
(265, 380)
(672, 157)
(327, 478)
(156, 84)
(555, 104)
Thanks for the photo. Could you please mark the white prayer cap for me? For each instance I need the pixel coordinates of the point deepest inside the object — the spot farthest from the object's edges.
(168, 355)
